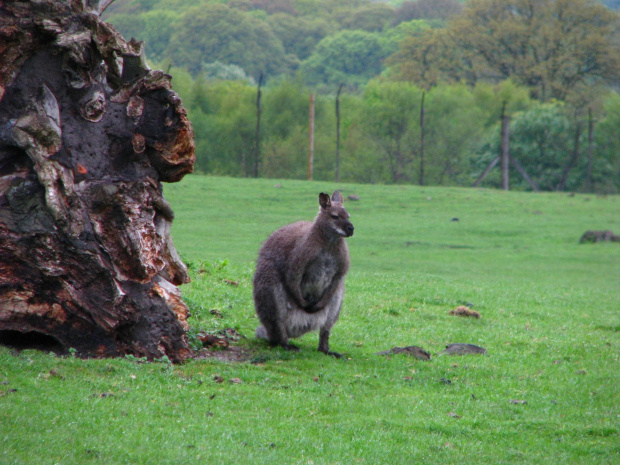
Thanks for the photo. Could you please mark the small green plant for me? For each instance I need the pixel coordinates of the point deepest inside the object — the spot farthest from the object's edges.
(133, 358)
(219, 265)
(192, 338)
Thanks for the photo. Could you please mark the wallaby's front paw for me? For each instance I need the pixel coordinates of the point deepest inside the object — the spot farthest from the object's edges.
(334, 354)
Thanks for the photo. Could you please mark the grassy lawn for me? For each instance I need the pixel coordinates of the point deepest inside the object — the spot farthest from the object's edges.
(546, 392)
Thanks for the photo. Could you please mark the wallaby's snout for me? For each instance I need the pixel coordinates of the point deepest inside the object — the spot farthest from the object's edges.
(349, 228)
(341, 224)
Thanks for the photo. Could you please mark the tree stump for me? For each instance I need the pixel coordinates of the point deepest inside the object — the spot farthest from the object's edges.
(87, 134)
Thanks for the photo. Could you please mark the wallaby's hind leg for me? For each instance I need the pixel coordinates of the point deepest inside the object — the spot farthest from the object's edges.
(333, 312)
(324, 344)
(271, 310)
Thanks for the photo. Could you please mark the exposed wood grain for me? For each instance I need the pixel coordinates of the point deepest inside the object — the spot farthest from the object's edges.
(87, 134)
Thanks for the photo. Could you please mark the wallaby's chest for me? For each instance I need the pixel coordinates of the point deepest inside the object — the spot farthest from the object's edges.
(317, 277)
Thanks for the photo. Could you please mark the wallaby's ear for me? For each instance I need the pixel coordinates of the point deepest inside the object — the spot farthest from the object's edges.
(324, 201)
(337, 197)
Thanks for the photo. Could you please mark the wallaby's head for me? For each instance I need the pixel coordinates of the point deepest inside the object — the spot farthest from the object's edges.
(333, 216)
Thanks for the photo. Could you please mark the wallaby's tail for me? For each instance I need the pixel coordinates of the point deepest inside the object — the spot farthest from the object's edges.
(261, 333)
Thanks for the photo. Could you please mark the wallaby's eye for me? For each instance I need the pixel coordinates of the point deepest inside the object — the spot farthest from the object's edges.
(335, 217)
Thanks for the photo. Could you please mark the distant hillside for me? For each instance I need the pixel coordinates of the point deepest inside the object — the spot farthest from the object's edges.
(329, 40)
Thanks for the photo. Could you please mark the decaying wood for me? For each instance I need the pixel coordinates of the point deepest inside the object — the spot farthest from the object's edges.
(87, 134)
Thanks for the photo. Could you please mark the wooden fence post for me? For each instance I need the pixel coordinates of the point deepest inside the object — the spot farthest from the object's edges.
(257, 136)
(311, 142)
(505, 148)
(338, 133)
(590, 151)
(422, 135)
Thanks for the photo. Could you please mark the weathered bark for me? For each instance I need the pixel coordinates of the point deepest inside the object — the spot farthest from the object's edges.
(87, 134)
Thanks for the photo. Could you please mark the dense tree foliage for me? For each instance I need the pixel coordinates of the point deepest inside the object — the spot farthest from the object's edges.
(555, 47)
(381, 133)
(348, 56)
(606, 169)
(300, 35)
(373, 17)
(554, 65)
(233, 37)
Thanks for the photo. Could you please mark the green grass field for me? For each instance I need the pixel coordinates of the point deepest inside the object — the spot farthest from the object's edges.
(546, 392)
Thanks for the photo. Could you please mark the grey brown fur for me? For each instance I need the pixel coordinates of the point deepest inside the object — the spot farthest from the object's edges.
(300, 273)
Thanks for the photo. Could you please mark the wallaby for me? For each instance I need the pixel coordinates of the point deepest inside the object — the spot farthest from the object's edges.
(299, 279)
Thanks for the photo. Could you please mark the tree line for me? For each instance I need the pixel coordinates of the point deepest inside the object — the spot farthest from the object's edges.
(554, 65)
(326, 41)
(381, 135)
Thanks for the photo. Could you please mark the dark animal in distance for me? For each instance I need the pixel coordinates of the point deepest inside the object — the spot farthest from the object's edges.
(300, 273)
